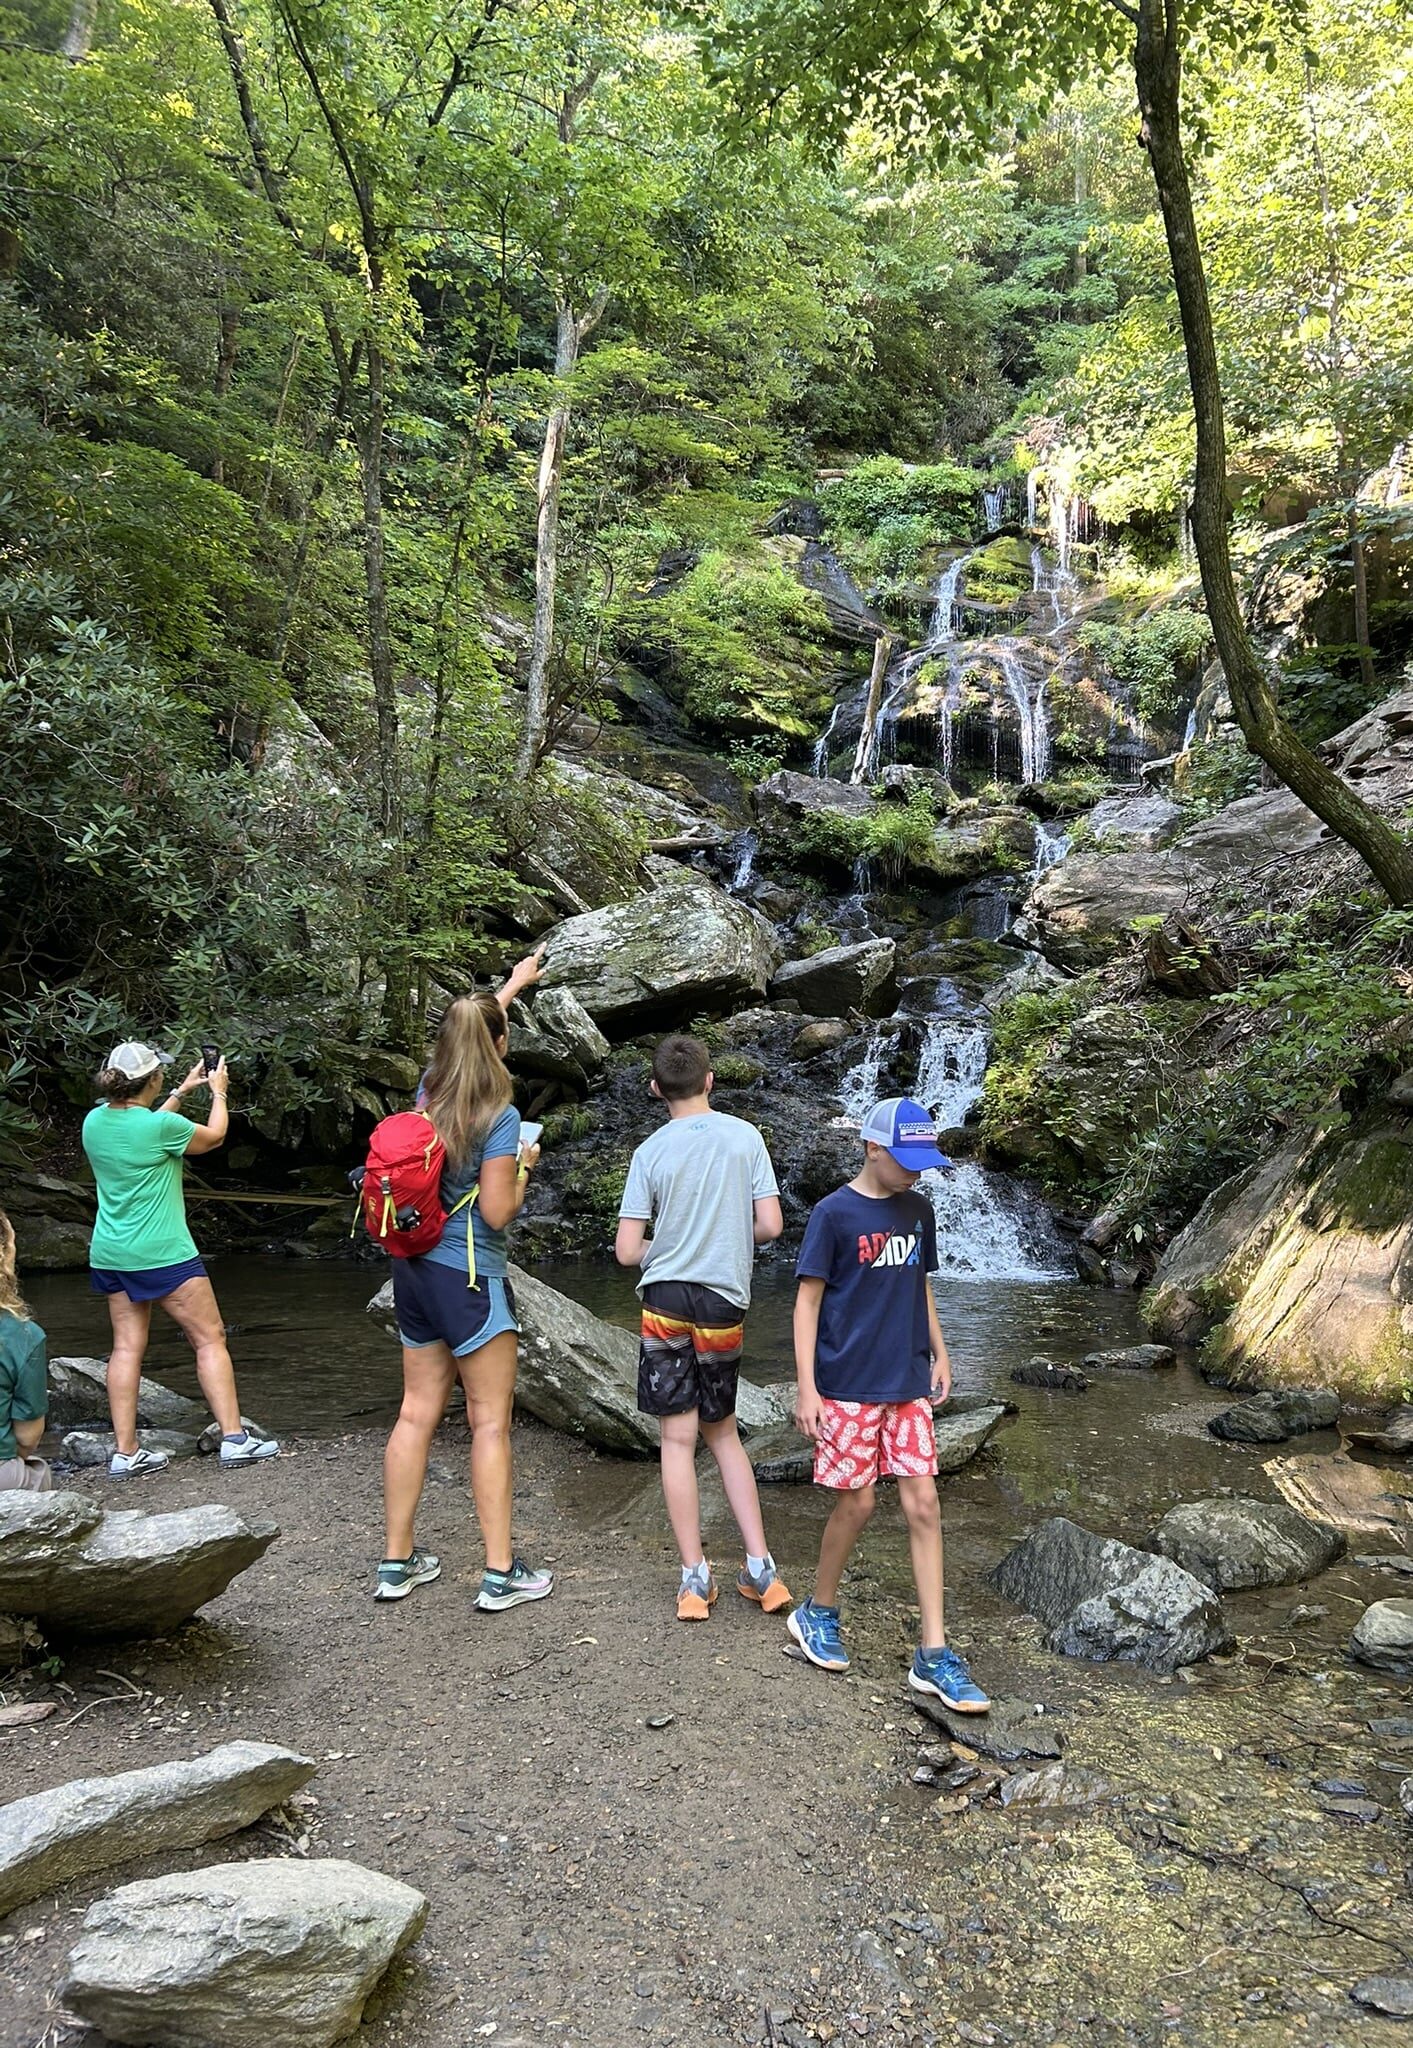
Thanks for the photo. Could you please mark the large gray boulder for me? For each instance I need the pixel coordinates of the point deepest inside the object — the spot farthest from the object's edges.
(580, 1374)
(78, 1394)
(785, 798)
(1383, 1637)
(1275, 1417)
(960, 1437)
(93, 1823)
(663, 957)
(1142, 821)
(1102, 1599)
(844, 978)
(556, 1040)
(1234, 1544)
(78, 1570)
(242, 1956)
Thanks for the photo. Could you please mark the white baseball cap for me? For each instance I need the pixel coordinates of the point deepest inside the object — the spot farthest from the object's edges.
(137, 1061)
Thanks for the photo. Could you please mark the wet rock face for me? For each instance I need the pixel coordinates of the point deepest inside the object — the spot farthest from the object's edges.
(1394, 1434)
(960, 1437)
(245, 1955)
(784, 798)
(78, 1394)
(1383, 1637)
(1050, 1377)
(76, 1570)
(662, 958)
(1104, 1600)
(93, 1823)
(842, 979)
(1295, 1266)
(1235, 1544)
(1275, 1417)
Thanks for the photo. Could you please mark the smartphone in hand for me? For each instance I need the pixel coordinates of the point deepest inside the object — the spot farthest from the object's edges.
(210, 1057)
(530, 1135)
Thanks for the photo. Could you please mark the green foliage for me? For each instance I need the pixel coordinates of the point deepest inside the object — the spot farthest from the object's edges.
(1217, 773)
(887, 515)
(741, 639)
(894, 837)
(1157, 659)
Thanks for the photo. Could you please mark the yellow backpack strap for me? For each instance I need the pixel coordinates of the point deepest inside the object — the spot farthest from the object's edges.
(467, 1202)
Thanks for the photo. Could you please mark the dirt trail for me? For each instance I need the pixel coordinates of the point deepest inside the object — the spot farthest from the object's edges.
(762, 1868)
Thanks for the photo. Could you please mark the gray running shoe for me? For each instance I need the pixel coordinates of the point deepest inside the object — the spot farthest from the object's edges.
(510, 1589)
(398, 1575)
(132, 1464)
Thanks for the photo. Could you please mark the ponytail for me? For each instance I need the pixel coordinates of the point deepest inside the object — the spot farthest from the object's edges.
(467, 1085)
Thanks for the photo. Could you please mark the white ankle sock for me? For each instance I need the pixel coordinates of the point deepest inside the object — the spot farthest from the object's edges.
(759, 1566)
(696, 1574)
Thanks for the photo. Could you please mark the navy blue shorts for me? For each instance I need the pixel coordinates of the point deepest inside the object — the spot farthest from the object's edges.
(435, 1306)
(150, 1283)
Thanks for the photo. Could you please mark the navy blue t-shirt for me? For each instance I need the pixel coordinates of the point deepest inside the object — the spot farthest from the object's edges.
(874, 1255)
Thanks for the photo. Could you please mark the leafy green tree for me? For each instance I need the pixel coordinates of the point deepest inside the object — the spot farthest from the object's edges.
(942, 74)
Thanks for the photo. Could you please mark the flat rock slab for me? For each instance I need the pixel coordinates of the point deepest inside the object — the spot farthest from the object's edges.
(580, 1374)
(1397, 1561)
(1370, 1500)
(243, 1956)
(1010, 1733)
(1392, 1996)
(960, 1437)
(1101, 1599)
(78, 1394)
(1050, 1377)
(1132, 1358)
(89, 1449)
(1055, 1787)
(1235, 1544)
(78, 1570)
(1275, 1417)
(1394, 1434)
(782, 1457)
(93, 1823)
(1383, 1637)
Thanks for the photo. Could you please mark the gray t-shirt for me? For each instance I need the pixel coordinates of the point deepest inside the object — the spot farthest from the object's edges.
(696, 1181)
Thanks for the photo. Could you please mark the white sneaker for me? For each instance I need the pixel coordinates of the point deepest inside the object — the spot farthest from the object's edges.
(131, 1464)
(248, 1449)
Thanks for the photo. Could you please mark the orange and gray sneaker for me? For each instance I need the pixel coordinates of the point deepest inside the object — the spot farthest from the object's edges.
(697, 1595)
(766, 1588)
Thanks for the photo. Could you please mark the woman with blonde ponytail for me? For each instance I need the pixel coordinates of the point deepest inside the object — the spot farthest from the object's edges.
(455, 1311)
(24, 1381)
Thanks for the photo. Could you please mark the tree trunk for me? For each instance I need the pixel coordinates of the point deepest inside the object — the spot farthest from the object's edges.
(226, 343)
(573, 330)
(882, 648)
(1388, 856)
(566, 354)
(78, 37)
(1361, 600)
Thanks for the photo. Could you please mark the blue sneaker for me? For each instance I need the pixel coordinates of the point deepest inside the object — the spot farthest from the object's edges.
(943, 1673)
(816, 1630)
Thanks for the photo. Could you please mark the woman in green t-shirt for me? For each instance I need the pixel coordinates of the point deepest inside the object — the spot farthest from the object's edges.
(143, 1252)
(24, 1381)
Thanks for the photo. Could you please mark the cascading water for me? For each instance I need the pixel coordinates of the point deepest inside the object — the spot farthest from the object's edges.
(986, 1229)
(1030, 711)
(995, 503)
(1052, 843)
(1032, 497)
(746, 851)
(820, 762)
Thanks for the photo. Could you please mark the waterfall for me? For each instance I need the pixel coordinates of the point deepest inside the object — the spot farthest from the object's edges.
(1189, 731)
(1051, 845)
(1184, 531)
(820, 763)
(1062, 527)
(995, 502)
(1034, 721)
(940, 642)
(1052, 583)
(1032, 497)
(858, 1091)
(746, 852)
(985, 1229)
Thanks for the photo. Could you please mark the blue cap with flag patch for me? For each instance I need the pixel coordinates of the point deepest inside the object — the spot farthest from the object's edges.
(906, 1132)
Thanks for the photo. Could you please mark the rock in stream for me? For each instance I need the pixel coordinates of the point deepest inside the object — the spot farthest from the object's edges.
(1102, 1599)
(1235, 1544)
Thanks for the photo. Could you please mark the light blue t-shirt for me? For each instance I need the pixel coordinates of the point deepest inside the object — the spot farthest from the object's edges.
(502, 1142)
(697, 1181)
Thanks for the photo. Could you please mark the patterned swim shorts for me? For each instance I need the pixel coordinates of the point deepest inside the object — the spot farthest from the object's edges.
(689, 1355)
(863, 1441)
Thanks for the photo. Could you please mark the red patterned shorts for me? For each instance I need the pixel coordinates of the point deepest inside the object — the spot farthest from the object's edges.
(863, 1441)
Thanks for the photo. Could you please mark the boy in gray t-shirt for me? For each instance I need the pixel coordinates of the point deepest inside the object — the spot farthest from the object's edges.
(705, 1184)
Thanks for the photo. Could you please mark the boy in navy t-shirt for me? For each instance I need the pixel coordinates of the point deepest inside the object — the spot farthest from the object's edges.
(870, 1360)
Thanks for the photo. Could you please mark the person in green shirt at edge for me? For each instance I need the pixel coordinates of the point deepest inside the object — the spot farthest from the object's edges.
(143, 1252)
(24, 1381)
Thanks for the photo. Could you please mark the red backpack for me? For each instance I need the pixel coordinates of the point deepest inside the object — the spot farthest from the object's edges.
(401, 1196)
